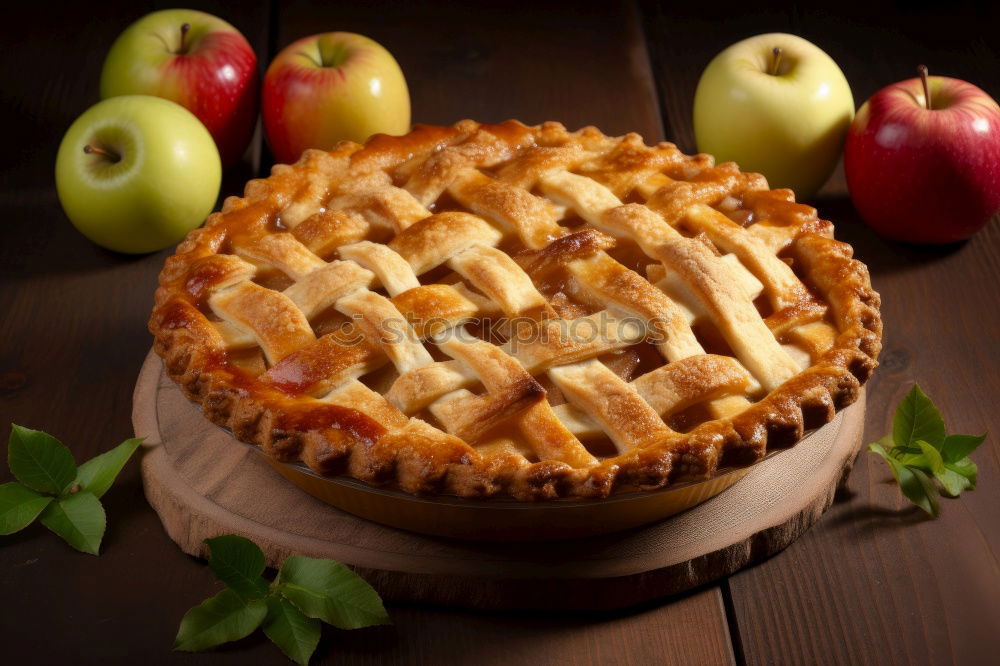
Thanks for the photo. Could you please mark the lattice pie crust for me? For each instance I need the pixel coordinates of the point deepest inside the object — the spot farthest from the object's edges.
(487, 310)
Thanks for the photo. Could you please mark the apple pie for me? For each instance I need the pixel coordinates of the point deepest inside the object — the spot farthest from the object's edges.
(504, 310)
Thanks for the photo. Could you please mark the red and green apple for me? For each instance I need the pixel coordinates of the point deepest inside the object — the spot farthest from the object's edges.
(922, 160)
(332, 87)
(136, 173)
(778, 105)
(195, 59)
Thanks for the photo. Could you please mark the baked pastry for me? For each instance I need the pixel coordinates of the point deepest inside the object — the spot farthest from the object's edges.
(491, 310)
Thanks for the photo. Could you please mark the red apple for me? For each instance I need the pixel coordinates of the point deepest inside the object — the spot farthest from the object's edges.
(922, 160)
(331, 87)
(197, 60)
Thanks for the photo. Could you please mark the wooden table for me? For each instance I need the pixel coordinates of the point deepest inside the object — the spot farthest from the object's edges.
(873, 582)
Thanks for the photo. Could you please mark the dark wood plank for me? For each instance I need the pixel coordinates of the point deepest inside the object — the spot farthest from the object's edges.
(73, 333)
(72, 337)
(874, 582)
(578, 63)
(680, 632)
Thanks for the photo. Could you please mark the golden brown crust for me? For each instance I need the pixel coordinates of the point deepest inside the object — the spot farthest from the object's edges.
(253, 313)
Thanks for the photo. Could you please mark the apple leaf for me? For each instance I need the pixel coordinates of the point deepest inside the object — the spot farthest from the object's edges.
(97, 474)
(952, 482)
(957, 447)
(923, 457)
(288, 628)
(290, 609)
(330, 591)
(966, 468)
(52, 488)
(238, 563)
(932, 457)
(19, 506)
(917, 418)
(79, 519)
(40, 461)
(923, 493)
(225, 617)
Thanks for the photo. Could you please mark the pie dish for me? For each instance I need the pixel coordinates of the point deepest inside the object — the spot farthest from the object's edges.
(504, 310)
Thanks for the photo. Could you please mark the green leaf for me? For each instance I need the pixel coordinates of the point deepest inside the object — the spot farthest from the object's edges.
(932, 458)
(957, 447)
(223, 618)
(892, 455)
(293, 632)
(917, 418)
(894, 465)
(953, 482)
(911, 482)
(912, 459)
(909, 479)
(928, 498)
(966, 468)
(876, 447)
(238, 563)
(19, 506)
(97, 474)
(79, 519)
(886, 442)
(330, 591)
(918, 447)
(40, 461)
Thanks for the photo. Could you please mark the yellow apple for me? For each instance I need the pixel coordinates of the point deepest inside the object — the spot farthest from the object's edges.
(332, 87)
(778, 105)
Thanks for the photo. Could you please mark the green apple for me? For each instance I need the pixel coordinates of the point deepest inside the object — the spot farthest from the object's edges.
(136, 173)
(778, 105)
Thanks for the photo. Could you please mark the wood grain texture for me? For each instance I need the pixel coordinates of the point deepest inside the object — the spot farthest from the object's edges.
(643, 635)
(72, 335)
(876, 582)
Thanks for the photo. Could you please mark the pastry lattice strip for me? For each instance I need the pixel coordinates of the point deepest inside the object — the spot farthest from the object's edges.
(346, 284)
(465, 414)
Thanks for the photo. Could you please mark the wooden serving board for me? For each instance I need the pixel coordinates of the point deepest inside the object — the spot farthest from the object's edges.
(203, 483)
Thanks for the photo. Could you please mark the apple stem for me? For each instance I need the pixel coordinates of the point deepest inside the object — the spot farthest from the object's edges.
(184, 31)
(776, 63)
(922, 69)
(114, 157)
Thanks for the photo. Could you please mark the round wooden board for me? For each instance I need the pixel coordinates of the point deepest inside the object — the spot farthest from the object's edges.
(203, 483)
